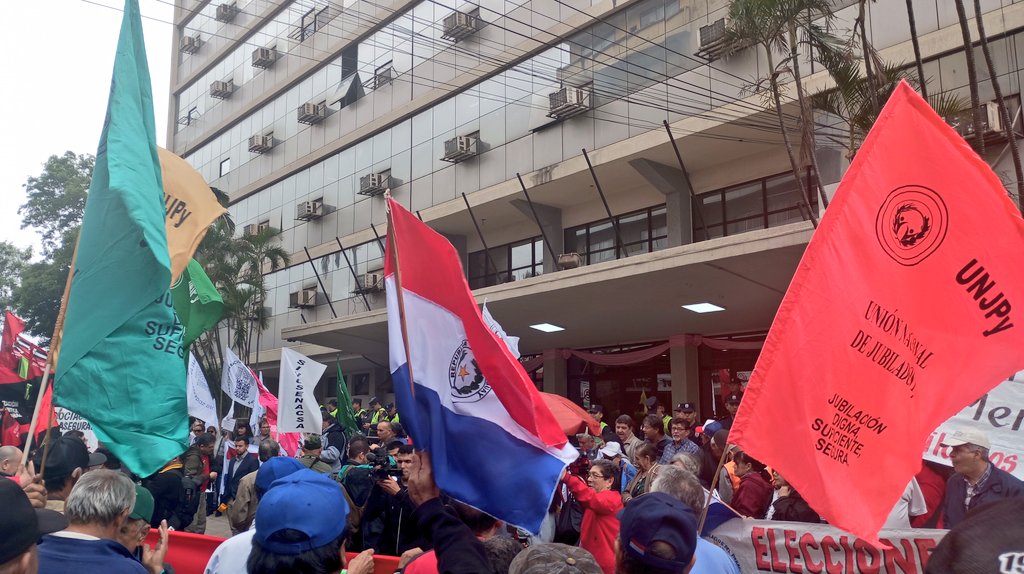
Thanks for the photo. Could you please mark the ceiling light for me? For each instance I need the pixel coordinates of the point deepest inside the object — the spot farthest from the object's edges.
(703, 308)
(547, 327)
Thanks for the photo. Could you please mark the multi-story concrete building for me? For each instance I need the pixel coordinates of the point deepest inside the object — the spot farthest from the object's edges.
(305, 111)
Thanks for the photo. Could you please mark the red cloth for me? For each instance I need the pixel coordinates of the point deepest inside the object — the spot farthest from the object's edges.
(600, 527)
(933, 487)
(206, 472)
(908, 304)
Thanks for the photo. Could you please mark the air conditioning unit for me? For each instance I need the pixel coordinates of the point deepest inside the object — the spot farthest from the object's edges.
(460, 148)
(260, 143)
(309, 210)
(375, 183)
(190, 44)
(570, 260)
(222, 89)
(264, 57)
(714, 42)
(383, 77)
(459, 25)
(310, 113)
(226, 12)
(251, 229)
(568, 102)
(963, 122)
(370, 282)
(302, 299)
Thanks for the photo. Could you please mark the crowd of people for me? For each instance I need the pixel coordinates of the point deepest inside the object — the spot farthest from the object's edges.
(631, 503)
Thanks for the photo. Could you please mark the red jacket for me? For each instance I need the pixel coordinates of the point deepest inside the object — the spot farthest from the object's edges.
(600, 525)
(753, 496)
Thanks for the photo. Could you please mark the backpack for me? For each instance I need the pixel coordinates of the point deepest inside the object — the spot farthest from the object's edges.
(357, 485)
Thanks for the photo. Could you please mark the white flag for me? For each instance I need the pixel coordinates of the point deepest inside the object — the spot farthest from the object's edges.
(512, 342)
(228, 422)
(200, 401)
(298, 410)
(237, 380)
(257, 413)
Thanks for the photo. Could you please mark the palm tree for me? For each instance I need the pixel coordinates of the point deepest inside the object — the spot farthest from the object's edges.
(972, 75)
(1004, 114)
(923, 85)
(852, 99)
(260, 254)
(774, 25)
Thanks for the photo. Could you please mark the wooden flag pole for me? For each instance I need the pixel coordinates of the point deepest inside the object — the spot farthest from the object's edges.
(714, 483)
(51, 365)
(393, 248)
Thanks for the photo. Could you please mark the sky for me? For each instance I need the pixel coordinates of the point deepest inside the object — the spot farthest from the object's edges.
(60, 56)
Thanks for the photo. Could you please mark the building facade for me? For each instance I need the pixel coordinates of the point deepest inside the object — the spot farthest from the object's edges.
(541, 130)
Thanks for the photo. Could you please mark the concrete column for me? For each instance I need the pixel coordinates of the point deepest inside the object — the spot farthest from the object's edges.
(673, 183)
(551, 223)
(555, 374)
(685, 376)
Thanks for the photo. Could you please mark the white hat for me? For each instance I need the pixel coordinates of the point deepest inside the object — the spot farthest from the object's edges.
(967, 436)
(611, 450)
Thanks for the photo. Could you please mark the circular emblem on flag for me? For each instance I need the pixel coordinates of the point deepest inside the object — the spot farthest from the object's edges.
(911, 224)
(464, 376)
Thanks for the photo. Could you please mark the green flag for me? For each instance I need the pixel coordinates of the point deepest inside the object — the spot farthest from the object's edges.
(121, 364)
(345, 416)
(196, 301)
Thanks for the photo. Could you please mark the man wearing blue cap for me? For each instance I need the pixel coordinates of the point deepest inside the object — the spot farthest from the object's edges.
(231, 555)
(300, 527)
(657, 535)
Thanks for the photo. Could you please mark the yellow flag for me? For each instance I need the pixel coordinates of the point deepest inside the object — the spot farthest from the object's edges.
(190, 207)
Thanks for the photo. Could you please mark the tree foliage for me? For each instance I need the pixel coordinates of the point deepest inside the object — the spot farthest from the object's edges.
(56, 198)
(12, 260)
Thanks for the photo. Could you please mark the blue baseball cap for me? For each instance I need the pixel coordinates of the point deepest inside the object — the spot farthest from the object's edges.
(274, 468)
(657, 517)
(305, 501)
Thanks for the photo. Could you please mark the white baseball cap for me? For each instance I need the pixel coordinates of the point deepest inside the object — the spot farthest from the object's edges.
(967, 436)
(611, 450)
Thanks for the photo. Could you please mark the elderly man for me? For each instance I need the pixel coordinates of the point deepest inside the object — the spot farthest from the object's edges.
(312, 448)
(136, 528)
(976, 480)
(657, 533)
(21, 527)
(97, 509)
(10, 458)
(680, 443)
(241, 513)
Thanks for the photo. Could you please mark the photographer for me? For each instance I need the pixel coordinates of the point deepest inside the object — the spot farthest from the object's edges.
(396, 508)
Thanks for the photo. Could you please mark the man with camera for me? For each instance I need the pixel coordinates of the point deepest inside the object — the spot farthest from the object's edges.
(395, 510)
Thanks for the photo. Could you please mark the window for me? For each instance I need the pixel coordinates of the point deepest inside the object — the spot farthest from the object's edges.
(759, 204)
(383, 75)
(263, 225)
(311, 21)
(641, 231)
(514, 262)
(225, 166)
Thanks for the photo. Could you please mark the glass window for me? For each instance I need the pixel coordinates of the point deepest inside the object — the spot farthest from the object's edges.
(511, 262)
(767, 202)
(225, 166)
(641, 231)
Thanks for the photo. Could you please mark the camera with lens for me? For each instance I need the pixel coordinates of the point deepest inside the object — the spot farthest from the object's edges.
(383, 467)
(580, 467)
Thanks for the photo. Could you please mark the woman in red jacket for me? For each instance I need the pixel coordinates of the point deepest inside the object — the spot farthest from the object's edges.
(754, 495)
(601, 504)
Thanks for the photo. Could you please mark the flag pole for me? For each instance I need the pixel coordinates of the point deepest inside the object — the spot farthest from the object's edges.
(714, 483)
(393, 248)
(51, 364)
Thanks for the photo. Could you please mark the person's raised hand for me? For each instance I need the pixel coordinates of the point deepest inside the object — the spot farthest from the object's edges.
(421, 480)
(32, 484)
(361, 564)
(153, 558)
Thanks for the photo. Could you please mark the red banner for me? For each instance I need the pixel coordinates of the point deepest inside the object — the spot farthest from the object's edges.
(901, 312)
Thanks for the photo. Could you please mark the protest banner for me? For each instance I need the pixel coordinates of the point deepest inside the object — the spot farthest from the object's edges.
(775, 546)
(70, 421)
(298, 410)
(999, 414)
(200, 401)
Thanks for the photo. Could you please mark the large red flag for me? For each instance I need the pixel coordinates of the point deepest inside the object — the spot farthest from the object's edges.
(902, 311)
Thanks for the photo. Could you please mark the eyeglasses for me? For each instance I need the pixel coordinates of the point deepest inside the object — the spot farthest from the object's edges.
(596, 474)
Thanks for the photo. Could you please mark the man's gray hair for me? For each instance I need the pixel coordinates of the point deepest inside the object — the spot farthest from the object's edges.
(979, 449)
(688, 461)
(99, 497)
(681, 484)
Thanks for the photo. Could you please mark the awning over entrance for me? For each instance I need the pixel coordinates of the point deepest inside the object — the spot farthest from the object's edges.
(619, 302)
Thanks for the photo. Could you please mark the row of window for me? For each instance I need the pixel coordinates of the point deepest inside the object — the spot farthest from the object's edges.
(760, 204)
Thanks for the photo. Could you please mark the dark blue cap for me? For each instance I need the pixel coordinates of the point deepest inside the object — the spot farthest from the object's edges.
(657, 517)
(274, 468)
(305, 501)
